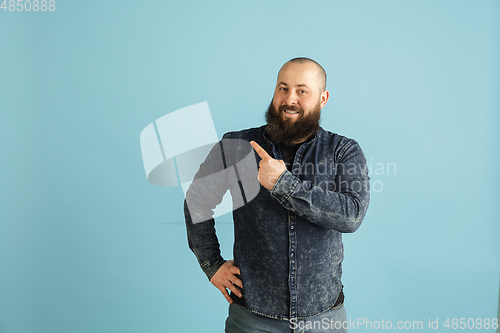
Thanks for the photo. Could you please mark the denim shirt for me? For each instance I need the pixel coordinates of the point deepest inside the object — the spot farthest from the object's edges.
(287, 240)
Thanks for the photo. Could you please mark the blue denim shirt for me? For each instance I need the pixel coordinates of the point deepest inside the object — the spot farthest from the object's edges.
(288, 240)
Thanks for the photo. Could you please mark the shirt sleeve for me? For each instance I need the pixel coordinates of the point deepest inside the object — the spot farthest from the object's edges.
(342, 208)
(204, 194)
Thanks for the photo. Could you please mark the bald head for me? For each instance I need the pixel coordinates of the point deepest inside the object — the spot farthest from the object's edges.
(320, 71)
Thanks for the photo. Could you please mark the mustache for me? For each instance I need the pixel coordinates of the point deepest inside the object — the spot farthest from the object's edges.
(282, 108)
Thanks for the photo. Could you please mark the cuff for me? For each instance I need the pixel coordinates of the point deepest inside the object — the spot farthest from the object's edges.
(285, 186)
(210, 268)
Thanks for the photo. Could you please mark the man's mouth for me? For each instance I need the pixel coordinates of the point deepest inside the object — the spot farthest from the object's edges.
(291, 111)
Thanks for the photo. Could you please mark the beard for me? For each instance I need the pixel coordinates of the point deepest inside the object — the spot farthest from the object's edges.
(285, 131)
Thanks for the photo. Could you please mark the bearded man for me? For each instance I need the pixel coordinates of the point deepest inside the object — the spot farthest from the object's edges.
(313, 185)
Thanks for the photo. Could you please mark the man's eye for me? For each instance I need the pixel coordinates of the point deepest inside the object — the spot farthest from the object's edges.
(302, 91)
(283, 89)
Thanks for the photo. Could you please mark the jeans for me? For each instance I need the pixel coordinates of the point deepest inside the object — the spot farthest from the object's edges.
(241, 320)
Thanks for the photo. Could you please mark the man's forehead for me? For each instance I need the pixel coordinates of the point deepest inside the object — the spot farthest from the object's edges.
(296, 74)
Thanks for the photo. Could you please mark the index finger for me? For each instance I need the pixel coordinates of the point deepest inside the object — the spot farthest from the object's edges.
(262, 153)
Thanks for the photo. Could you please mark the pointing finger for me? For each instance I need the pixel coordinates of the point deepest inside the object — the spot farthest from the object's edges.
(262, 153)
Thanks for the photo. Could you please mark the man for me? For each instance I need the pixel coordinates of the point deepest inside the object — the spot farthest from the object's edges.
(288, 251)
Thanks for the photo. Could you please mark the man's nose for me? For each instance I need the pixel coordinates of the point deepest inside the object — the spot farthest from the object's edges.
(291, 98)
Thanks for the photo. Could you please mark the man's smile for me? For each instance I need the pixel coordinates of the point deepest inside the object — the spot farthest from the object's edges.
(290, 111)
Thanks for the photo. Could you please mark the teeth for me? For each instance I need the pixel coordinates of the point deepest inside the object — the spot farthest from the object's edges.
(291, 112)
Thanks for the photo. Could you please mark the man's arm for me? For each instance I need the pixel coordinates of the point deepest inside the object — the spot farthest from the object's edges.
(204, 194)
(342, 209)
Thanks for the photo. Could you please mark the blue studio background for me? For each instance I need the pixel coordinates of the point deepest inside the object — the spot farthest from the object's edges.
(88, 245)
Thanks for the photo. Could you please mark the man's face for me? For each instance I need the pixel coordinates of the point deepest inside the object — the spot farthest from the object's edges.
(298, 90)
(294, 112)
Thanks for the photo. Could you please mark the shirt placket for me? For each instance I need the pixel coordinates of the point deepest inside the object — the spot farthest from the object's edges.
(292, 247)
(292, 237)
(292, 275)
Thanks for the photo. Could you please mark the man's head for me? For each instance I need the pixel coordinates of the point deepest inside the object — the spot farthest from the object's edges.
(294, 113)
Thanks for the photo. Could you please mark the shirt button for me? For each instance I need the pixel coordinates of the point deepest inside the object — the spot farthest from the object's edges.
(291, 254)
(291, 227)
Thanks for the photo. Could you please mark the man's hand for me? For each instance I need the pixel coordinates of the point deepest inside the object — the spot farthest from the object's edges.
(225, 278)
(270, 169)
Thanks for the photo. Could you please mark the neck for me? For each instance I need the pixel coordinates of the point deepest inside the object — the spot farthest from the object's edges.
(307, 138)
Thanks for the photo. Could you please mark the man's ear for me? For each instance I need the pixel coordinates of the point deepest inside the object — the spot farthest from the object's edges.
(324, 98)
